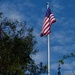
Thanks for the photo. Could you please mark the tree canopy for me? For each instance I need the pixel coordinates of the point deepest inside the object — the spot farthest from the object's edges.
(17, 44)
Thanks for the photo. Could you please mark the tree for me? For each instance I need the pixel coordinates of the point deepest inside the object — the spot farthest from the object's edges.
(66, 57)
(17, 44)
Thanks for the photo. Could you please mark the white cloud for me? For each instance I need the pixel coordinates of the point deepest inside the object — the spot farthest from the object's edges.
(28, 3)
(12, 10)
(57, 7)
(63, 50)
(40, 57)
(62, 37)
(66, 66)
(59, 49)
(54, 66)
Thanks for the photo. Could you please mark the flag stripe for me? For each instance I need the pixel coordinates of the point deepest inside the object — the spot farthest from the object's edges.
(45, 28)
(47, 33)
(48, 20)
(45, 25)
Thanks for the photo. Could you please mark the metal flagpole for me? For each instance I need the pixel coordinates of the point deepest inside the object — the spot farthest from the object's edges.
(48, 54)
(48, 48)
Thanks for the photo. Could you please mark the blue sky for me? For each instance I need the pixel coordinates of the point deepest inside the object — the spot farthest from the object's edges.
(62, 37)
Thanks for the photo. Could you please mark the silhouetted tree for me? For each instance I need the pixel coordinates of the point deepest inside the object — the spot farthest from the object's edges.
(17, 44)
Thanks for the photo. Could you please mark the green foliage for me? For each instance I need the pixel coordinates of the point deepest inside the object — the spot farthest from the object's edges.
(17, 44)
(66, 57)
(36, 69)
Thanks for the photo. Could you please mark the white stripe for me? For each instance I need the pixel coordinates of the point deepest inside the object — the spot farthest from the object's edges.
(52, 20)
(46, 30)
(51, 17)
(46, 21)
(45, 26)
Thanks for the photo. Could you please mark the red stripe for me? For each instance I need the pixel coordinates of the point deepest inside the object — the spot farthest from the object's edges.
(47, 24)
(47, 33)
(46, 28)
(52, 19)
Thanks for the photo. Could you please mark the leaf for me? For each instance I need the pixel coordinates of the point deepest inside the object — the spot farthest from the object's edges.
(61, 61)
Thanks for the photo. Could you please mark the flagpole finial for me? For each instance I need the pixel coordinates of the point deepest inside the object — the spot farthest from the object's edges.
(47, 5)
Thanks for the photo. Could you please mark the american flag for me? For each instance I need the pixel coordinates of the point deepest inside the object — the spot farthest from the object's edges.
(48, 20)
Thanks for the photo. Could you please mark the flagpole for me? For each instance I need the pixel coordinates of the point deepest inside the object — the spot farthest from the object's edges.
(48, 47)
(48, 54)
